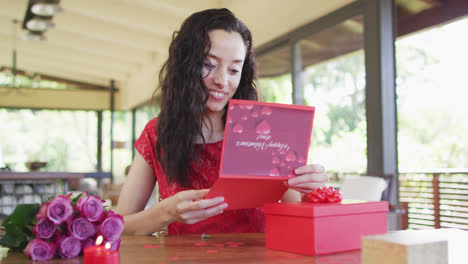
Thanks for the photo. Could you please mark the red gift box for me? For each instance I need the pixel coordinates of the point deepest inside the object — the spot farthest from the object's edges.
(323, 228)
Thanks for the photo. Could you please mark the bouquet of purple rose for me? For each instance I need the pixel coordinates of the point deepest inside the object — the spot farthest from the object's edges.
(61, 226)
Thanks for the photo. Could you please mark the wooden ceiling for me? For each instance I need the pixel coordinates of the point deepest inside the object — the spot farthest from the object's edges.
(95, 41)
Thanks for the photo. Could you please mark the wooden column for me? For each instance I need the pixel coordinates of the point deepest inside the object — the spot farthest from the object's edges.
(112, 107)
(99, 141)
(296, 75)
(379, 33)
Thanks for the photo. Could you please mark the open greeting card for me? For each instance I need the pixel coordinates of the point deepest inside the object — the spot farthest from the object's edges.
(263, 144)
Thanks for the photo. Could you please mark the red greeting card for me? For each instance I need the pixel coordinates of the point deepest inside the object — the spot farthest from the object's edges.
(263, 144)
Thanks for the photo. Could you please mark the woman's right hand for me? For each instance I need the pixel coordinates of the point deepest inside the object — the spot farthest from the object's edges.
(189, 207)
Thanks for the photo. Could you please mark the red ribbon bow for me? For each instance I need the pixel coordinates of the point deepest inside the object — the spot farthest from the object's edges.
(324, 195)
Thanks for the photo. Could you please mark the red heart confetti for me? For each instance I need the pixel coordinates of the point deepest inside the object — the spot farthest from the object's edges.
(218, 245)
(152, 246)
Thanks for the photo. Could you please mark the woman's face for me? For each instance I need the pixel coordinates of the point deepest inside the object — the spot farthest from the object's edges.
(222, 69)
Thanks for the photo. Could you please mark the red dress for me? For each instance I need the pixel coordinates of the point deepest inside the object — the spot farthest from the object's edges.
(203, 177)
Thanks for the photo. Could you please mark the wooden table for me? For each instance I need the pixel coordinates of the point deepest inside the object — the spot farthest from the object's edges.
(220, 248)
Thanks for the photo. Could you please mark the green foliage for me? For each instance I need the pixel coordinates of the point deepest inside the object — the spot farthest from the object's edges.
(19, 226)
(432, 118)
(344, 77)
(62, 185)
(276, 89)
(66, 140)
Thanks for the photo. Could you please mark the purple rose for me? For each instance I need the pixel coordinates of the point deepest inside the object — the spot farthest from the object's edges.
(44, 229)
(39, 249)
(81, 228)
(91, 207)
(69, 247)
(112, 226)
(59, 209)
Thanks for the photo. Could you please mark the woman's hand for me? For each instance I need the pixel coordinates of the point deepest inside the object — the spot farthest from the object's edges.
(309, 177)
(189, 207)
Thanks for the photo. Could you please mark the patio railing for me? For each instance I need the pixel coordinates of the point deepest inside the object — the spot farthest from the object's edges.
(432, 199)
(435, 199)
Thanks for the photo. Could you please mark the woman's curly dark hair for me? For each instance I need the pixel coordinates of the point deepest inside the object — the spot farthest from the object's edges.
(183, 93)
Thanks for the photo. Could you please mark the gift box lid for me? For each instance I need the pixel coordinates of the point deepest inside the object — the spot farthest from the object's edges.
(345, 207)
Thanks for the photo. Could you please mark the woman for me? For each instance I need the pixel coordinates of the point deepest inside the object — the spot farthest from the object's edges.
(211, 60)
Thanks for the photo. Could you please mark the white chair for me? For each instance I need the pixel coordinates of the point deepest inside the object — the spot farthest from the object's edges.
(369, 188)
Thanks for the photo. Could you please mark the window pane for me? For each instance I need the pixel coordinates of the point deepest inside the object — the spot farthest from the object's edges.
(143, 115)
(334, 82)
(122, 152)
(66, 140)
(431, 89)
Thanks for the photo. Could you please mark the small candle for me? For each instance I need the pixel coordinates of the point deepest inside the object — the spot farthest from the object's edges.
(100, 254)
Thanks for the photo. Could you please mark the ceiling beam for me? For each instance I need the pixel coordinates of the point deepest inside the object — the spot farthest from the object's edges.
(47, 66)
(68, 75)
(76, 84)
(100, 30)
(161, 6)
(14, 9)
(354, 26)
(69, 58)
(84, 43)
(77, 45)
(193, 6)
(311, 45)
(441, 14)
(125, 15)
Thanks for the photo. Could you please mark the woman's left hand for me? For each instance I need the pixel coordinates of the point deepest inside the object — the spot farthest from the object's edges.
(309, 177)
